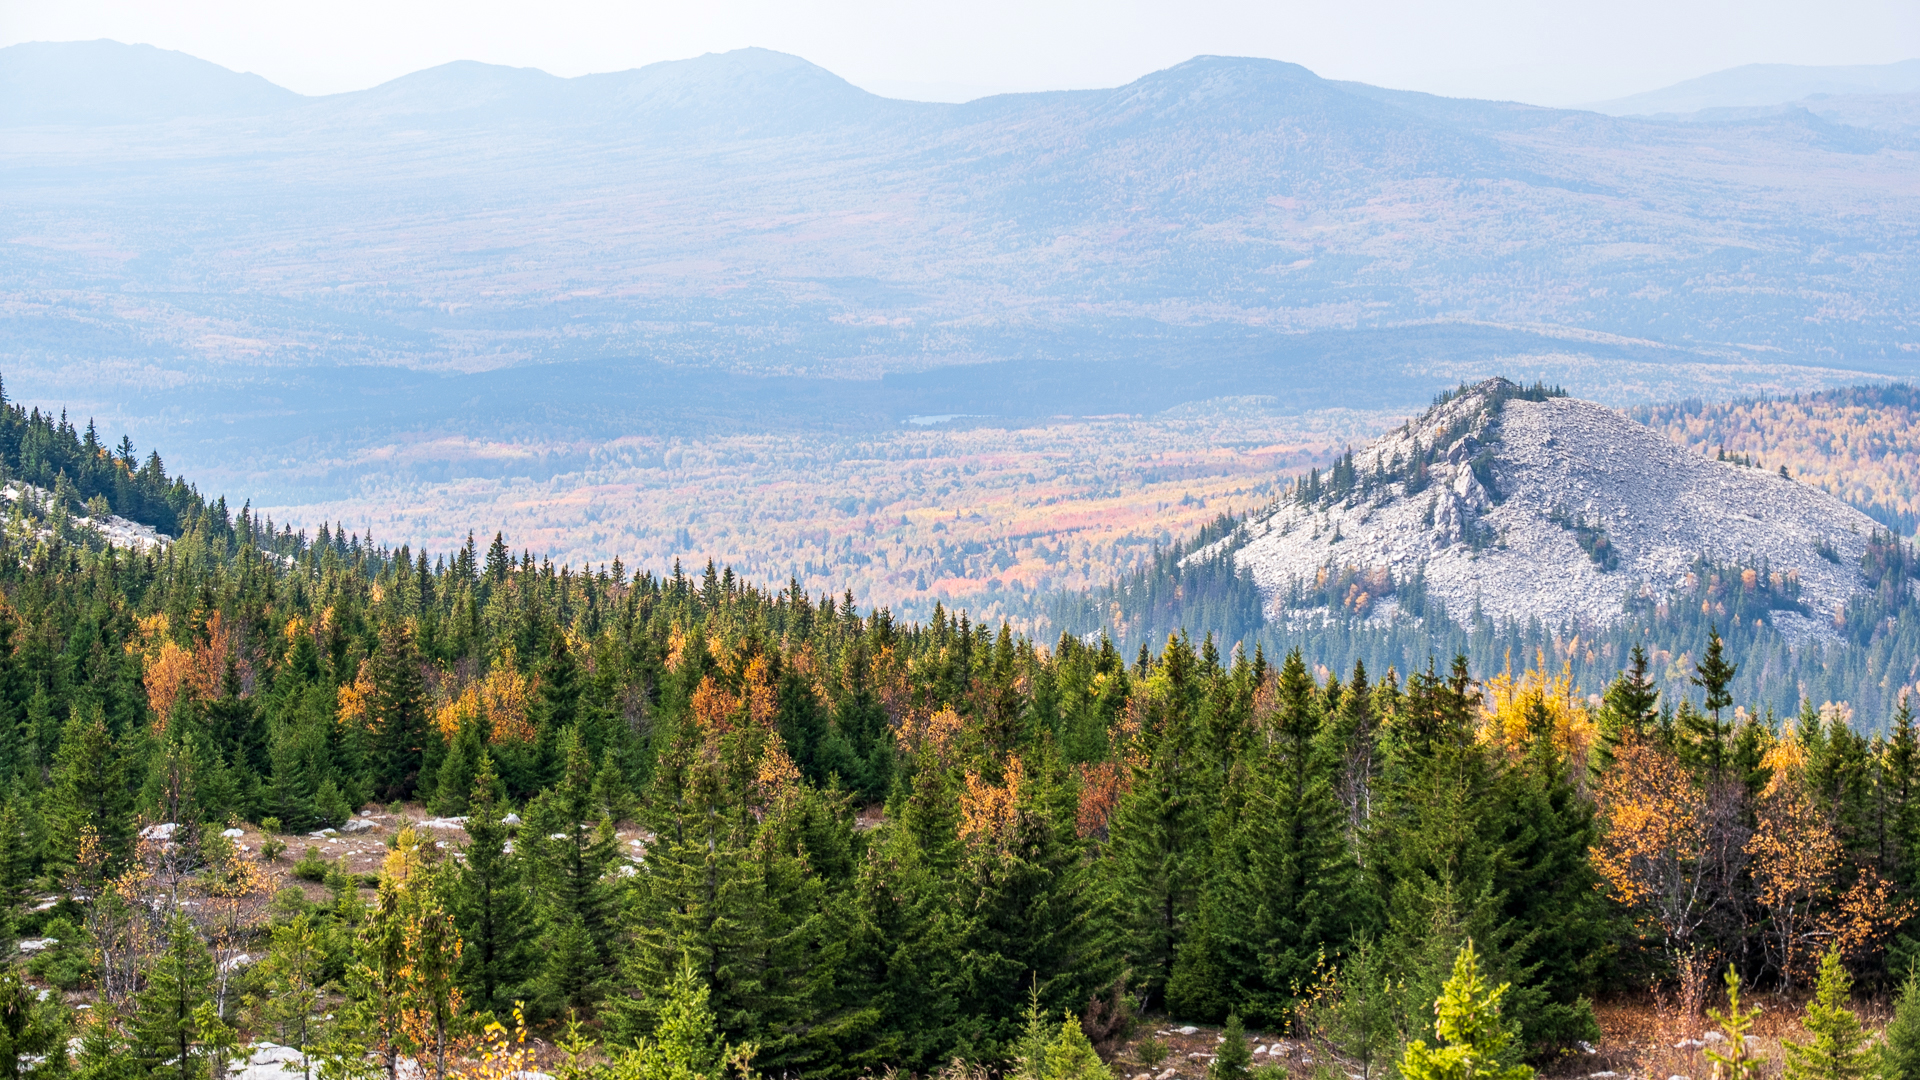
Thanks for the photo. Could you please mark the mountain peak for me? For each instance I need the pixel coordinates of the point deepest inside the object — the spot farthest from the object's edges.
(1522, 502)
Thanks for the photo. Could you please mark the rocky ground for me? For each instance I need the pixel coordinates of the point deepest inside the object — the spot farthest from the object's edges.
(1499, 519)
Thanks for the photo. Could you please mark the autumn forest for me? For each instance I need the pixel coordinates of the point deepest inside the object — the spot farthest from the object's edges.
(470, 813)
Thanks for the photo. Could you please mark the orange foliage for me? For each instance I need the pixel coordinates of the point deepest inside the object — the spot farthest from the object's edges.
(173, 673)
(356, 696)
(1864, 451)
(1101, 785)
(987, 811)
(500, 698)
(1655, 839)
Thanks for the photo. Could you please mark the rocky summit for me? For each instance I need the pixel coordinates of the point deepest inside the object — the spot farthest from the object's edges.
(1525, 503)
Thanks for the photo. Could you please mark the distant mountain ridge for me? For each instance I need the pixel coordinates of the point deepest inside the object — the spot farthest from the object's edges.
(1755, 85)
(614, 241)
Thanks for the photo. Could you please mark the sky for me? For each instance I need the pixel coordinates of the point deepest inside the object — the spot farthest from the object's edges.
(1549, 52)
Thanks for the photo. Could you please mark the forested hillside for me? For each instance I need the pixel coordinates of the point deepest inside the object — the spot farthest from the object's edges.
(1857, 442)
(695, 822)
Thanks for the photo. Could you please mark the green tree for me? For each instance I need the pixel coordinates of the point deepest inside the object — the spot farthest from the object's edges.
(1233, 1058)
(1630, 709)
(1737, 1062)
(1839, 1048)
(492, 906)
(397, 710)
(1900, 1049)
(1474, 1042)
(1706, 734)
(33, 1033)
(1156, 856)
(90, 788)
(104, 1052)
(685, 1044)
(178, 982)
(1071, 1055)
(293, 972)
(571, 847)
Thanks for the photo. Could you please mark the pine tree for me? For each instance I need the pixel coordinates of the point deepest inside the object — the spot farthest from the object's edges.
(178, 982)
(1839, 1048)
(1474, 1042)
(398, 712)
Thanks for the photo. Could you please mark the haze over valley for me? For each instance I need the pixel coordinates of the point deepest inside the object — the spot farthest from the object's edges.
(485, 291)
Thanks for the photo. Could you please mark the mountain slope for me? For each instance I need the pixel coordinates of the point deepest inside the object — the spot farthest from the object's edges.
(106, 82)
(1522, 505)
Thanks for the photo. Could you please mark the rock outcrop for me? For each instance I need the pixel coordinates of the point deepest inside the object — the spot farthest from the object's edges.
(1526, 505)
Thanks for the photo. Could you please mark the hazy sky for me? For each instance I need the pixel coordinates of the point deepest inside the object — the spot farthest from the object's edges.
(1551, 52)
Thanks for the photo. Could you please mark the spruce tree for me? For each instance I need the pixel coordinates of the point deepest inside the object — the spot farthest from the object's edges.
(90, 788)
(294, 973)
(1839, 1049)
(492, 907)
(1232, 1059)
(33, 1033)
(1156, 856)
(1706, 734)
(398, 712)
(179, 981)
(16, 866)
(1472, 1038)
(1900, 1046)
(1629, 710)
(572, 847)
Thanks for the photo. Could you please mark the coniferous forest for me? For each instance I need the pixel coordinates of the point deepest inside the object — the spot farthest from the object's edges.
(694, 826)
